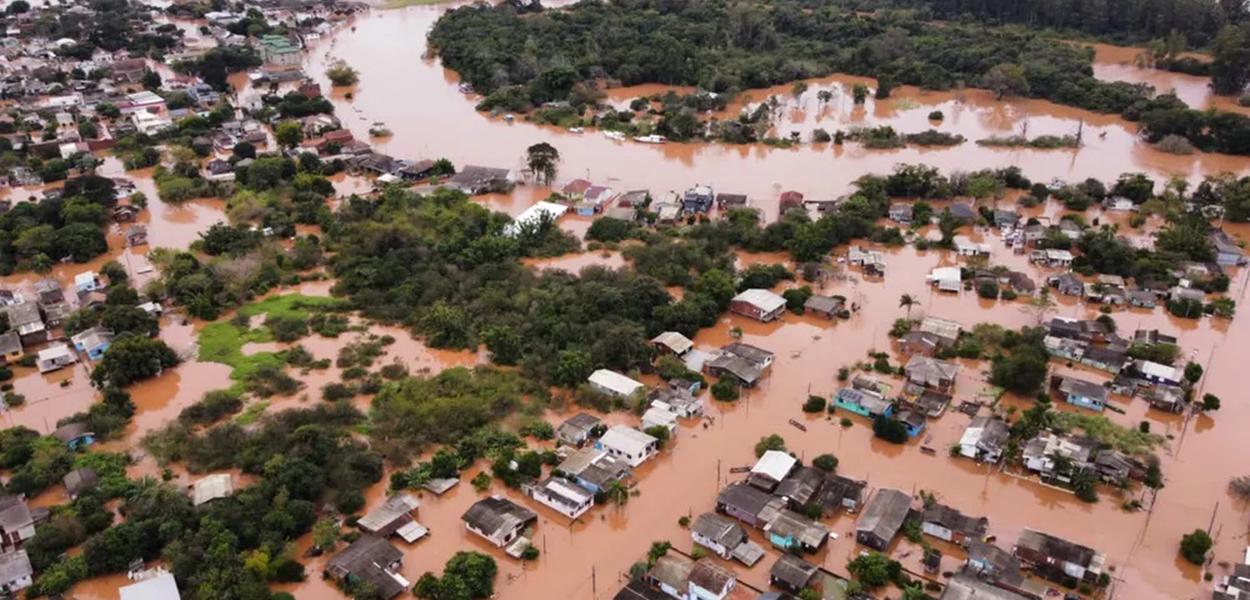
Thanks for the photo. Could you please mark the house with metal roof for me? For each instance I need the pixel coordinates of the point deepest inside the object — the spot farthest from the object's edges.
(15, 572)
(882, 518)
(560, 495)
(372, 560)
(948, 524)
(610, 382)
(498, 520)
(159, 586)
(1057, 559)
(394, 516)
(628, 444)
(758, 304)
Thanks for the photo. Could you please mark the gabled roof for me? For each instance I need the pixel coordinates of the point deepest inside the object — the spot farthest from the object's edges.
(774, 464)
(497, 514)
(159, 587)
(711, 576)
(885, 513)
(952, 519)
(762, 299)
(367, 558)
(718, 529)
(792, 571)
(394, 508)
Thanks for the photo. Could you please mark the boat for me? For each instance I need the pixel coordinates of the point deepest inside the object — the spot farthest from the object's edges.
(508, 117)
(650, 139)
(577, 130)
(615, 136)
(465, 87)
(379, 129)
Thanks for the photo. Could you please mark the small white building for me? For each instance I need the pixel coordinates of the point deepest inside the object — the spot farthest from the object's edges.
(534, 214)
(659, 417)
(15, 572)
(628, 444)
(562, 496)
(160, 586)
(947, 279)
(88, 281)
(211, 487)
(773, 466)
(610, 382)
(966, 247)
(54, 357)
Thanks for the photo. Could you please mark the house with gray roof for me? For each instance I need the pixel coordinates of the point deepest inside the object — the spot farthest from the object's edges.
(882, 518)
(498, 520)
(370, 560)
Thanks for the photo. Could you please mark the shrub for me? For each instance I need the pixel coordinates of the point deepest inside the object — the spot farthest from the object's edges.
(814, 404)
(936, 116)
(826, 462)
(770, 442)
(725, 390)
(988, 289)
(1194, 546)
(890, 430)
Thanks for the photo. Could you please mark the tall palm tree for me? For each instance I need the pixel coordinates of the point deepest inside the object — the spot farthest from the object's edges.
(906, 301)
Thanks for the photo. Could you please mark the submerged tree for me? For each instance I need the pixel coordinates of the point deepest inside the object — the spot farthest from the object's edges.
(543, 160)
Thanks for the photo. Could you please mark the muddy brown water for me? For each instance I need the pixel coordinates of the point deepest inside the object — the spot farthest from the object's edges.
(587, 559)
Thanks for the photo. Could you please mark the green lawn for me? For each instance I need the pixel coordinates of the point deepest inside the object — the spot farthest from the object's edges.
(223, 341)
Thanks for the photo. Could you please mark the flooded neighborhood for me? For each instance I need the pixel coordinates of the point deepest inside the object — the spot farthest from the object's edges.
(623, 300)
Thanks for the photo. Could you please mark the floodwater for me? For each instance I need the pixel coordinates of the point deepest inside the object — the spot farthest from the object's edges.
(389, 50)
(1120, 63)
(588, 559)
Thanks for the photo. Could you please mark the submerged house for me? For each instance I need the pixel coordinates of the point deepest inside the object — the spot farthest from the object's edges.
(17, 524)
(369, 560)
(1079, 392)
(748, 504)
(985, 439)
(577, 429)
(789, 530)
(561, 496)
(55, 357)
(882, 518)
(863, 402)
(771, 469)
(744, 362)
(94, 342)
(595, 469)
(758, 304)
(74, 435)
(931, 373)
(1057, 559)
(791, 573)
(498, 520)
(394, 516)
(946, 523)
(725, 538)
(628, 444)
(612, 383)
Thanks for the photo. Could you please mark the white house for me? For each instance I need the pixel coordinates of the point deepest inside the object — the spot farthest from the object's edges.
(534, 214)
(88, 281)
(15, 571)
(158, 587)
(54, 357)
(613, 383)
(628, 444)
(562, 496)
(947, 279)
(710, 581)
(773, 466)
(659, 417)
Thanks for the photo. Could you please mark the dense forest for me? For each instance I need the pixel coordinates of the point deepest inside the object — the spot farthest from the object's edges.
(1129, 21)
(521, 59)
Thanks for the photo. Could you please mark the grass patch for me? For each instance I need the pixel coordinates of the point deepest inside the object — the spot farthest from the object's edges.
(223, 341)
(252, 413)
(1127, 440)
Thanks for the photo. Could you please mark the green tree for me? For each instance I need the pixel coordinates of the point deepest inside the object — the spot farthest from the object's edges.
(826, 462)
(543, 160)
(1006, 79)
(873, 570)
(1194, 546)
(342, 74)
(131, 358)
(1230, 60)
(288, 133)
(770, 442)
(907, 301)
